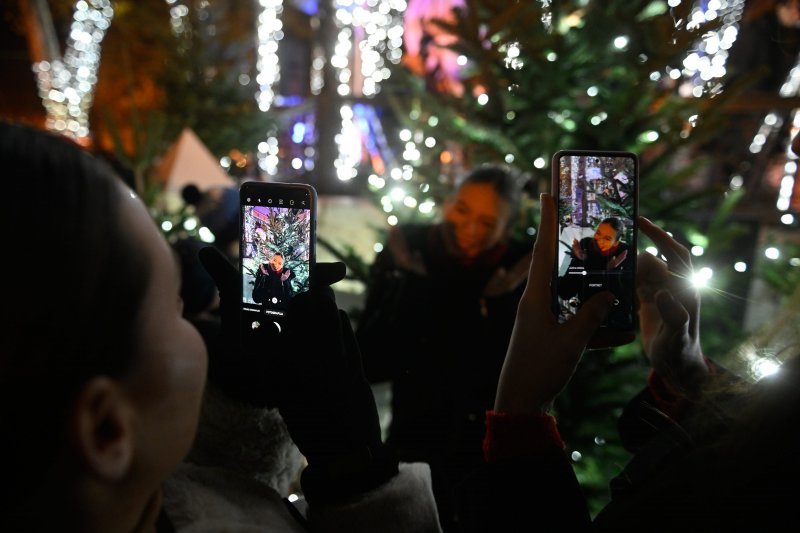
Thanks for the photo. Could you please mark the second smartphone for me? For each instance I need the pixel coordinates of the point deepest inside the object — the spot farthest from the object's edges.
(596, 194)
(277, 250)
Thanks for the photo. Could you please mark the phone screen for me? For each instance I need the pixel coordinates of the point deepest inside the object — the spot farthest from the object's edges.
(596, 194)
(277, 251)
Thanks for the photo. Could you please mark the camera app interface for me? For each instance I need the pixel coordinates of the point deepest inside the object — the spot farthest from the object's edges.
(597, 249)
(276, 252)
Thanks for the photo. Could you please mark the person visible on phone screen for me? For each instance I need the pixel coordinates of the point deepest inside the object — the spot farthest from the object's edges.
(273, 283)
(439, 309)
(600, 262)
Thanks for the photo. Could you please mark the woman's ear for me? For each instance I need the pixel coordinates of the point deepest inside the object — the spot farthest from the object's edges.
(101, 428)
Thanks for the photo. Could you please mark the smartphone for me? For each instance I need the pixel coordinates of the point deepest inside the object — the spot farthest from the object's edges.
(277, 251)
(596, 194)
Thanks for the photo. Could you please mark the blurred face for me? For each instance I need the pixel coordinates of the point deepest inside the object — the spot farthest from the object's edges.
(605, 237)
(166, 386)
(277, 262)
(477, 217)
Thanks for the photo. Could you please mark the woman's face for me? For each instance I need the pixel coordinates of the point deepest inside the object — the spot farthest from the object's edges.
(166, 385)
(478, 218)
(605, 237)
(277, 262)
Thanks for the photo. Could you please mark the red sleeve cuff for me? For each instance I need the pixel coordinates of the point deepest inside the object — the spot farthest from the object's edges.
(508, 436)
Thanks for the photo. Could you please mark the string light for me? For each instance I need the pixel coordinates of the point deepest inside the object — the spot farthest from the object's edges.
(376, 28)
(66, 85)
(706, 62)
(270, 32)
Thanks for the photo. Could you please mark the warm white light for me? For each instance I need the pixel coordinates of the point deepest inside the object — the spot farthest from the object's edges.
(392, 220)
(652, 250)
(772, 253)
(697, 250)
(762, 368)
(539, 162)
(206, 235)
(190, 224)
(787, 219)
(740, 266)
(700, 278)
(621, 42)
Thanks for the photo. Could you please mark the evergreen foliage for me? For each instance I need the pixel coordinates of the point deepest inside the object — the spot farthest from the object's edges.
(599, 78)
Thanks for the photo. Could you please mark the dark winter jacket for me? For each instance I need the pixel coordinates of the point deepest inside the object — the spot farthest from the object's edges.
(442, 345)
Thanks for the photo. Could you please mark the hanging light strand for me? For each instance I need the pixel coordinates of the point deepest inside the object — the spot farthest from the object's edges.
(66, 85)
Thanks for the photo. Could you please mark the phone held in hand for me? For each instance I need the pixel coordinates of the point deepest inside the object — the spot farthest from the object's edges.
(596, 194)
(277, 251)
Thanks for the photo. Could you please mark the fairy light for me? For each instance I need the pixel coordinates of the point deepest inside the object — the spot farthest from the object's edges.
(177, 20)
(270, 32)
(512, 59)
(66, 85)
(268, 156)
(349, 142)
(700, 278)
(706, 62)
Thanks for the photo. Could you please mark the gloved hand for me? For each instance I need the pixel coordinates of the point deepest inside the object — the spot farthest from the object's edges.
(243, 371)
(313, 374)
(327, 403)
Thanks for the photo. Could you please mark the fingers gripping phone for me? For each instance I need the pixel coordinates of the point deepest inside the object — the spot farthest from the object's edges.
(277, 251)
(596, 194)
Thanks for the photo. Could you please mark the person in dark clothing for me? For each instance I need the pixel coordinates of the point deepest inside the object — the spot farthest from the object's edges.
(438, 315)
(601, 262)
(711, 452)
(273, 283)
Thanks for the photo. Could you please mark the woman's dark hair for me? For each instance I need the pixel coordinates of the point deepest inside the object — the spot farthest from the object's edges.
(74, 286)
(616, 224)
(505, 183)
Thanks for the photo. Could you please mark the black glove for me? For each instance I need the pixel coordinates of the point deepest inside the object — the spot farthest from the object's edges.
(328, 404)
(242, 371)
(313, 375)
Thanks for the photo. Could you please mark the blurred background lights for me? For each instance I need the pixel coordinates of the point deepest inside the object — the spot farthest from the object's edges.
(697, 251)
(763, 367)
(700, 278)
(740, 266)
(772, 253)
(190, 224)
(787, 219)
(206, 235)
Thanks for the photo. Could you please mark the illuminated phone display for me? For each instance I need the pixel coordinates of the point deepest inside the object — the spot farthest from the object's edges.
(596, 195)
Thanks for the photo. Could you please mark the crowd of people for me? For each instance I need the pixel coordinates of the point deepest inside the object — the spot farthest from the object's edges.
(126, 409)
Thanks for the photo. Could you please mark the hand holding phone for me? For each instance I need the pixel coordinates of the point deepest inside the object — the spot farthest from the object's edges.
(596, 195)
(277, 250)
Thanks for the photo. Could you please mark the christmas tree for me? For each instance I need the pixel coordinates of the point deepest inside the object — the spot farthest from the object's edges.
(503, 80)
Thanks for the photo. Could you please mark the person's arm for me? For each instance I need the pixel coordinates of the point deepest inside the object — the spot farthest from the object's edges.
(528, 482)
(323, 397)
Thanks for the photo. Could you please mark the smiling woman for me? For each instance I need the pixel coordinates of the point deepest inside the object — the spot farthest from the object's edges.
(440, 306)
